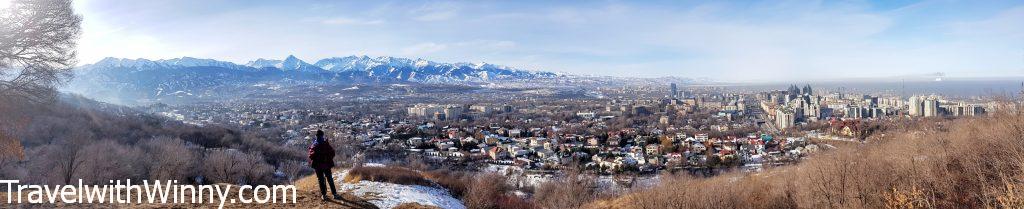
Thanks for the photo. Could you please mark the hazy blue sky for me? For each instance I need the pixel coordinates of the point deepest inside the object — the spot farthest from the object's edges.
(730, 41)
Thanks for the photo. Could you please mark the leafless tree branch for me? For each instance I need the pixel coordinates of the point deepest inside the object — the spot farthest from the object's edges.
(37, 48)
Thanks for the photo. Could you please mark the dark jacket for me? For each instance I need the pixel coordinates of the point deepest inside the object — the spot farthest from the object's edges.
(321, 155)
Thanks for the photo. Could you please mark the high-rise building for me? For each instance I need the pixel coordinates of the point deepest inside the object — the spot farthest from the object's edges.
(964, 109)
(793, 90)
(431, 110)
(930, 108)
(784, 118)
(877, 113)
(675, 91)
(916, 106)
(871, 101)
(854, 112)
(812, 112)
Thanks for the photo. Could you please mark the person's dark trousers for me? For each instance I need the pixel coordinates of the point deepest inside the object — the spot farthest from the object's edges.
(321, 176)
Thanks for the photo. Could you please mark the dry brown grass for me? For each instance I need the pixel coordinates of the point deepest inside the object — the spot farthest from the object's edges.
(933, 163)
(389, 174)
(412, 205)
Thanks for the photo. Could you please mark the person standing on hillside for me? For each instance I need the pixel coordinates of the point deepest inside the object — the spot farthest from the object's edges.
(321, 158)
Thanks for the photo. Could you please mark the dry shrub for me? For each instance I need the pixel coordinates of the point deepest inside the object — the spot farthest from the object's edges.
(719, 192)
(570, 191)
(109, 160)
(235, 167)
(10, 149)
(514, 202)
(412, 205)
(486, 191)
(457, 183)
(1011, 198)
(173, 159)
(913, 198)
(11, 152)
(974, 162)
(294, 169)
(389, 174)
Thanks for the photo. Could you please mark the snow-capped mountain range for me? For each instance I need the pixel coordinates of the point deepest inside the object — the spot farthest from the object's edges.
(385, 68)
(145, 78)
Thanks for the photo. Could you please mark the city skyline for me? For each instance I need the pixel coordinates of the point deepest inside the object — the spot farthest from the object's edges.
(723, 41)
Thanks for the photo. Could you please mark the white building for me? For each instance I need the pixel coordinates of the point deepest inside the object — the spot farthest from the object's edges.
(784, 118)
(931, 108)
(916, 106)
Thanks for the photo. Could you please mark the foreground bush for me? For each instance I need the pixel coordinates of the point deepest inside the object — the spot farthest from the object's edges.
(389, 174)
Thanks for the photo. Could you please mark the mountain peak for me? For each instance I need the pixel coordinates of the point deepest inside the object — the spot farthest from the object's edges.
(294, 63)
(125, 62)
(264, 63)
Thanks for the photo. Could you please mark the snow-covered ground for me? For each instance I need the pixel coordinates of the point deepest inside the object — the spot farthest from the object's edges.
(388, 195)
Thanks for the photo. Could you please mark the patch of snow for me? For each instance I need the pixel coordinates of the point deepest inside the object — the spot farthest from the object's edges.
(388, 195)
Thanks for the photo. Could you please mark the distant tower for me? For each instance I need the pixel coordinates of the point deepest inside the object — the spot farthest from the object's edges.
(1021, 90)
(807, 89)
(903, 87)
(675, 91)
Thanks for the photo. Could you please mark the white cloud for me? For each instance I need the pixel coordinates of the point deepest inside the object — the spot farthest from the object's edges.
(435, 12)
(1006, 24)
(351, 21)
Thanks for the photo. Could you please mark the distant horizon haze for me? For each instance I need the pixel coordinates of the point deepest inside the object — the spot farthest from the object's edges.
(899, 78)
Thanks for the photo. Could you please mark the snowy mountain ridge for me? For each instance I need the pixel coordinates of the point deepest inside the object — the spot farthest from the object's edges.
(332, 64)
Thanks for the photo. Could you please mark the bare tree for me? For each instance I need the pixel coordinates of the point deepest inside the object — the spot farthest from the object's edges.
(69, 162)
(10, 150)
(220, 166)
(485, 190)
(172, 160)
(37, 48)
(574, 190)
(236, 167)
(108, 160)
(293, 169)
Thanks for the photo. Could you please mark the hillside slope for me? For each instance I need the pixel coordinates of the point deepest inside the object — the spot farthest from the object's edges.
(927, 163)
